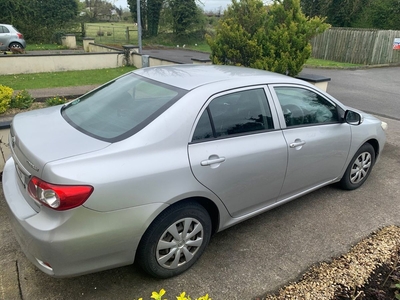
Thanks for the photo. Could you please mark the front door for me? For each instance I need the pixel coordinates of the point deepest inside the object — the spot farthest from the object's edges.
(318, 142)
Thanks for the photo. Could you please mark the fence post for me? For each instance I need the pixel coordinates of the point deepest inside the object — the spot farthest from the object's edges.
(127, 34)
(145, 61)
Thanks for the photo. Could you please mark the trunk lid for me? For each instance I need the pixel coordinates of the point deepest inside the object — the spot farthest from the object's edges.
(41, 136)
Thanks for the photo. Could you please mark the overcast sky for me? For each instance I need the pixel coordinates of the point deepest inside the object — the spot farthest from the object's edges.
(208, 4)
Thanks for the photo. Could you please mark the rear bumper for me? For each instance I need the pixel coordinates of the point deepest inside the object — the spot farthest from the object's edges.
(22, 42)
(77, 241)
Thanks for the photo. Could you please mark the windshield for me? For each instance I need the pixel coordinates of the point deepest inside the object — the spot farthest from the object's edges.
(121, 107)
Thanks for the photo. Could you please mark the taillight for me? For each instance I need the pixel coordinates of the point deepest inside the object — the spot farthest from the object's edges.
(20, 35)
(58, 197)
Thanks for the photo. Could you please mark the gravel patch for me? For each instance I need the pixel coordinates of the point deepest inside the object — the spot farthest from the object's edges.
(368, 271)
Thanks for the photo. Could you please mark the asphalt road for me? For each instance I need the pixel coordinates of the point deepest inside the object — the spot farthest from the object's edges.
(261, 254)
(375, 90)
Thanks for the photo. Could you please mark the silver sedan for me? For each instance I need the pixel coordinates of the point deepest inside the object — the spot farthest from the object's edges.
(148, 166)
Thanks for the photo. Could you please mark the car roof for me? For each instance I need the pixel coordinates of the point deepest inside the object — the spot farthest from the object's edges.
(191, 76)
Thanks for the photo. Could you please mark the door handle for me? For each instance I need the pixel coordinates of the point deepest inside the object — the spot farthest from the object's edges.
(211, 161)
(297, 143)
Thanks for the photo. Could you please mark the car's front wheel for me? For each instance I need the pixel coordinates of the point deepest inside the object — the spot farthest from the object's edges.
(359, 168)
(175, 240)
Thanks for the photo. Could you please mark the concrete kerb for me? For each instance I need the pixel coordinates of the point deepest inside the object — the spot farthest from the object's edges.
(9, 282)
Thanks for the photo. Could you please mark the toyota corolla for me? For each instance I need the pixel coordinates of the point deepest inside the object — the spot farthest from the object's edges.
(150, 165)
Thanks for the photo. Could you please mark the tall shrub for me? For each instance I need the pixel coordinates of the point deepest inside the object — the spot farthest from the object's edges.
(274, 37)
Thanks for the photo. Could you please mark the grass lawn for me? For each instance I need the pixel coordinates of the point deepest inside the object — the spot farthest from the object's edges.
(88, 77)
(40, 46)
(62, 79)
(315, 62)
(167, 40)
(113, 31)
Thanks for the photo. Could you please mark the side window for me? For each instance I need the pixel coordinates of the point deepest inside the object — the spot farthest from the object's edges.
(236, 113)
(203, 129)
(4, 29)
(302, 107)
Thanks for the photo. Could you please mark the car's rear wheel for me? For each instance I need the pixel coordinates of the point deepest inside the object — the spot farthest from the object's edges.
(175, 240)
(15, 45)
(359, 168)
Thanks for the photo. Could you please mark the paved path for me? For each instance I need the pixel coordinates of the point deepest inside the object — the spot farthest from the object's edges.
(177, 55)
(71, 92)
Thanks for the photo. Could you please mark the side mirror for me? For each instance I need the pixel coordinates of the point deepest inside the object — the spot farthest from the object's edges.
(352, 117)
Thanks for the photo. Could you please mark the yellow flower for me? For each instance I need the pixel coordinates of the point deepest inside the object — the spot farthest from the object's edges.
(158, 296)
(182, 297)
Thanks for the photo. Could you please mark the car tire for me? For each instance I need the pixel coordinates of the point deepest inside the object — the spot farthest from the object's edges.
(15, 45)
(359, 168)
(175, 240)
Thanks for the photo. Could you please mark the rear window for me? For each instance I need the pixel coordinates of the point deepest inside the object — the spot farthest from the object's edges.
(120, 108)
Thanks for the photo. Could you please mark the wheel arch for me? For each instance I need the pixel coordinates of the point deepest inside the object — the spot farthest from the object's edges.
(211, 208)
(208, 205)
(375, 144)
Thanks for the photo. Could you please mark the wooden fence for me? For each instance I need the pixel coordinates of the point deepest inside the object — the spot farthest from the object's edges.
(358, 46)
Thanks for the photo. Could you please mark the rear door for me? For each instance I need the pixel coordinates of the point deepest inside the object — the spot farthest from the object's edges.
(237, 151)
(318, 142)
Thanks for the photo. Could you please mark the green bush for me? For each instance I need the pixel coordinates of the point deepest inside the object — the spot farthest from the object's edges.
(21, 100)
(274, 37)
(5, 98)
(56, 100)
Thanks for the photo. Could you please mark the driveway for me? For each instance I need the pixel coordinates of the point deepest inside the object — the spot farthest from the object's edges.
(249, 259)
(373, 90)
